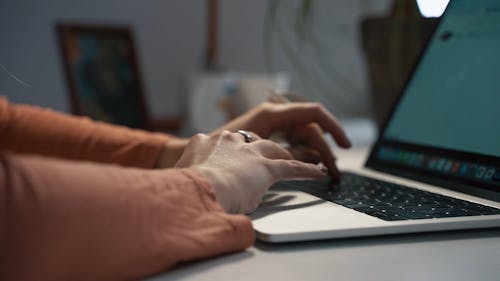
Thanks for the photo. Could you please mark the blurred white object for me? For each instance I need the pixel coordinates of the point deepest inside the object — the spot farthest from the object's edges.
(432, 8)
(216, 98)
(254, 89)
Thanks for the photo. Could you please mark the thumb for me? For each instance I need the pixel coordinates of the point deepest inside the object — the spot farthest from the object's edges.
(293, 169)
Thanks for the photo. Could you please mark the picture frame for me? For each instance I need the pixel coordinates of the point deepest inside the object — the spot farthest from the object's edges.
(102, 73)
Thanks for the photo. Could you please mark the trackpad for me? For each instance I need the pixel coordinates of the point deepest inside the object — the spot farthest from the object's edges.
(296, 211)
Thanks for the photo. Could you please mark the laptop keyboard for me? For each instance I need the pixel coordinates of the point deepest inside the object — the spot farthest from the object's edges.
(388, 201)
(392, 202)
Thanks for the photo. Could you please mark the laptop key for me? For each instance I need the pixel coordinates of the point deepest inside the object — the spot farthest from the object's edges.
(394, 202)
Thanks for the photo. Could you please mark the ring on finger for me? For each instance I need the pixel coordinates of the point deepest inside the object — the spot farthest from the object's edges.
(248, 137)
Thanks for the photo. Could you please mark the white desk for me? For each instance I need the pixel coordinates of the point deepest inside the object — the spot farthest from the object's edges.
(462, 255)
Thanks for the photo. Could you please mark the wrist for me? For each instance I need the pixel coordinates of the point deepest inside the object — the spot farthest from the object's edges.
(171, 152)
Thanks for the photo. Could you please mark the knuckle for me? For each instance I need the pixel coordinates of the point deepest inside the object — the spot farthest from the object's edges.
(313, 127)
(265, 105)
(296, 165)
(317, 106)
(225, 133)
(198, 137)
(246, 148)
(266, 108)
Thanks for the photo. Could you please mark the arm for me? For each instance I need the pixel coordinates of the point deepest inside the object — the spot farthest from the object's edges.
(33, 130)
(64, 220)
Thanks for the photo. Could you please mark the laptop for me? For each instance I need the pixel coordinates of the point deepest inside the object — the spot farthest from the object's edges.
(436, 163)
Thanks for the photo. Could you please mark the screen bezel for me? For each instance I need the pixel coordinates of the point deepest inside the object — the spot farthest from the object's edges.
(468, 186)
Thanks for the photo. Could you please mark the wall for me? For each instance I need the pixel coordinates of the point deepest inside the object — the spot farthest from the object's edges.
(170, 36)
(328, 66)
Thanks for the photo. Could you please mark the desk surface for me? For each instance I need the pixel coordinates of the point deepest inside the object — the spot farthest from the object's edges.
(459, 255)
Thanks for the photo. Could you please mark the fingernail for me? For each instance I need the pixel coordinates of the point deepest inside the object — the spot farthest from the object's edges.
(323, 169)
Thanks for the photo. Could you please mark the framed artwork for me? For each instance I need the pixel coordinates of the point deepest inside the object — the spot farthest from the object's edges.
(102, 74)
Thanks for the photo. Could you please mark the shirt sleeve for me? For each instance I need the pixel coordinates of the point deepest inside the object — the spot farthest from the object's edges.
(34, 130)
(65, 220)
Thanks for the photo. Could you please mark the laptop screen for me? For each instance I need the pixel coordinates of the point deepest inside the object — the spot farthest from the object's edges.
(446, 123)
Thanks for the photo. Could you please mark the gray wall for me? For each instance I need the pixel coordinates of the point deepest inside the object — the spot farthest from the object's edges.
(170, 36)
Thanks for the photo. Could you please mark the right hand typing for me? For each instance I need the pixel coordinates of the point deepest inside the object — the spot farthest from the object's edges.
(241, 172)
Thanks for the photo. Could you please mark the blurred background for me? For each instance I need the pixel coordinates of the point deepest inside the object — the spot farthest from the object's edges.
(185, 66)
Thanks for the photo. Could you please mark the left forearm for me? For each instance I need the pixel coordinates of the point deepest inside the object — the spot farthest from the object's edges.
(33, 130)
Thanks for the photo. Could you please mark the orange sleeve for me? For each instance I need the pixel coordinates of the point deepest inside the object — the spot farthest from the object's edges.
(65, 220)
(33, 130)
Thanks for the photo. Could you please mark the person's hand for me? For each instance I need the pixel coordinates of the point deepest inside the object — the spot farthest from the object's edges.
(241, 172)
(301, 124)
